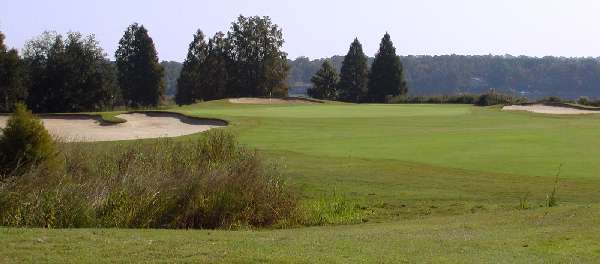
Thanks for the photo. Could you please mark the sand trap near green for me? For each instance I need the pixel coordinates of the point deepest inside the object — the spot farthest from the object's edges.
(75, 128)
(551, 110)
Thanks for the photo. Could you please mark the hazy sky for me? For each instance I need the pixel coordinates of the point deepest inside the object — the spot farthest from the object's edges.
(321, 28)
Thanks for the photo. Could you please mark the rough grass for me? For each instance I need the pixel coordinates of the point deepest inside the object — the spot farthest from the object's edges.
(208, 183)
(434, 183)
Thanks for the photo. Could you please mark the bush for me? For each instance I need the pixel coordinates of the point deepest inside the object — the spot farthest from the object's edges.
(441, 99)
(212, 182)
(551, 99)
(584, 100)
(24, 143)
(487, 99)
(493, 98)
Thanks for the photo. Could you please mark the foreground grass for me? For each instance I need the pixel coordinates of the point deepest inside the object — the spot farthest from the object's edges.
(535, 236)
(436, 183)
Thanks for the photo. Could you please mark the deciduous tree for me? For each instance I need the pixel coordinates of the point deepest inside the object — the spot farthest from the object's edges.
(257, 65)
(69, 74)
(12, 89)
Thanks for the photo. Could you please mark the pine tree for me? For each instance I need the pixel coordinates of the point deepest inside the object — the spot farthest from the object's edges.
(191, 82)
(325, 82)
(386, 77)
(139, 72)
(217, 76)
(354, 74)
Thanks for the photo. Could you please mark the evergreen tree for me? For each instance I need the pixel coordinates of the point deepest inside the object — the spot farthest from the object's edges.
(325, 82)
(256, 64)
(216, 68)
(140, 74)
(12, 89)
(354, 74)
(191, 82)
(24, 143)
(386, 77)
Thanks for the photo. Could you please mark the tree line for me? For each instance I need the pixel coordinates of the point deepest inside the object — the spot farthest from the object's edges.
(356, 83)
(531, 77)
(71, 72)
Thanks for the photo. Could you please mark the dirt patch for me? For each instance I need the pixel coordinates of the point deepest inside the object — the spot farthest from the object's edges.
(273, 101)
(138, 126)
(547, 109)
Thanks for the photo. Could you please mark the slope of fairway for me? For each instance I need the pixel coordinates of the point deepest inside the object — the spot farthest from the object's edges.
(455, 136)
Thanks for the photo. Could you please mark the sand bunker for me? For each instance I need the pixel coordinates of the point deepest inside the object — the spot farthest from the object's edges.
(138, 126)
(271, 101)
(546, 109)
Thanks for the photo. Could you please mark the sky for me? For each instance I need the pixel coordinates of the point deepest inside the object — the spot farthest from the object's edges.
(322, 28)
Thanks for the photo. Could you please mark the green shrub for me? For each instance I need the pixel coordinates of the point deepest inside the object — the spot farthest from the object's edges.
(24, 143)
(212, 182)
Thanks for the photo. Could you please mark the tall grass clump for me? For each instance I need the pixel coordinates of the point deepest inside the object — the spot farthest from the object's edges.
(212, 182)
(331, 209)
(524, 202)
(551, 198)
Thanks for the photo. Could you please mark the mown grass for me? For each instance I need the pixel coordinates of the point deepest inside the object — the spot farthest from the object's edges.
(434, 183)
(454, 136)
(534, 236)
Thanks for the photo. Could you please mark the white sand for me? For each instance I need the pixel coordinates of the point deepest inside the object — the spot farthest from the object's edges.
(545, 109)
(269, 101)
(138, 126)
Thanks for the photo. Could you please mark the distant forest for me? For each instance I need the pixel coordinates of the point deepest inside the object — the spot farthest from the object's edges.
(172, 72)
(531, 77)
